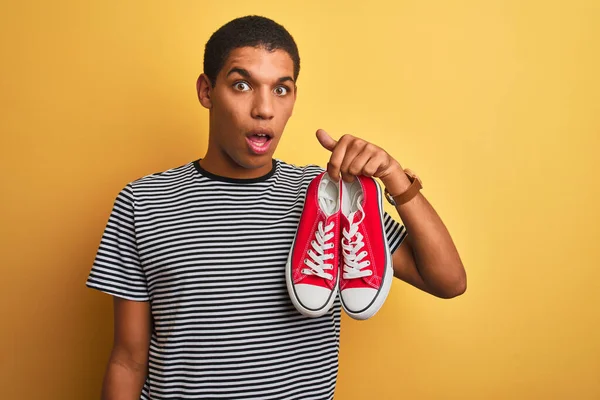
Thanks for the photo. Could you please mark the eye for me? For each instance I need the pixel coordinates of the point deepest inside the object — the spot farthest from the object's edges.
(241, 86)
(281, 90)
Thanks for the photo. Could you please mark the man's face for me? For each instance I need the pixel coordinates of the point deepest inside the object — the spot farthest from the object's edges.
(250, 104)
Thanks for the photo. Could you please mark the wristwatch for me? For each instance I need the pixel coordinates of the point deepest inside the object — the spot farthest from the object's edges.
(415, 186)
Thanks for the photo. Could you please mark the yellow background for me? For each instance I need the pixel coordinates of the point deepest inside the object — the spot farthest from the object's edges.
(494, 103)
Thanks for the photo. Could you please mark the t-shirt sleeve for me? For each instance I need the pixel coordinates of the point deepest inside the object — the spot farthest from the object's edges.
(395, 232)
(117, 269)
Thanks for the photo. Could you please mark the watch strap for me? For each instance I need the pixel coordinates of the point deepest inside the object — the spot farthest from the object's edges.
(408, 194)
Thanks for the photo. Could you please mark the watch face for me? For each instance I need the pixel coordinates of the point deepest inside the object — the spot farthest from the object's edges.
(389, 198)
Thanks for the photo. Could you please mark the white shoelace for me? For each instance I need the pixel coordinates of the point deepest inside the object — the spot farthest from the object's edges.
(317, 262)
(353, 260)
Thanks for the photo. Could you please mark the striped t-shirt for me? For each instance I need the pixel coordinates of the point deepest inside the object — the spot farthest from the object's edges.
(209, 254)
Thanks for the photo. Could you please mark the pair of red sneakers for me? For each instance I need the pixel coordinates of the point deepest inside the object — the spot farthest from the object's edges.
(340, 245)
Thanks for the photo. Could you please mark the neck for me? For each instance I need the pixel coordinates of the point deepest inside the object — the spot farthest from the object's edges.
(221, 164)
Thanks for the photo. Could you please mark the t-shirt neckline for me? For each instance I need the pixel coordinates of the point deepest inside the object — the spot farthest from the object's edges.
(220, 178)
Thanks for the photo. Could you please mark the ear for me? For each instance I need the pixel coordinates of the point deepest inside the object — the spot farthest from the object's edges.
(204, 89)
(295, 97)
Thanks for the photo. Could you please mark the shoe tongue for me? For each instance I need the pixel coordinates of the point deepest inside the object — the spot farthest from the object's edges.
(357, 199)
(356, 215)
(327, 203)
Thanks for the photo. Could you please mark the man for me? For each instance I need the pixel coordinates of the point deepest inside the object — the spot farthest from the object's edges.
(195, 256)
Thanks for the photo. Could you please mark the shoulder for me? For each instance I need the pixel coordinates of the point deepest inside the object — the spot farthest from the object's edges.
(293, 171)
(158, 182)
(177, 174)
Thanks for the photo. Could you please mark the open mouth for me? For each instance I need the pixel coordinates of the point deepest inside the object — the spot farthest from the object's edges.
(259, 141)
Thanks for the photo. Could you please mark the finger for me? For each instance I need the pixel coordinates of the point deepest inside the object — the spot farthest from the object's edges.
(383, 164)
(337, 156)
(353, 150)
(374, 165)
(357, 165)
(347, 177)
(326, 141)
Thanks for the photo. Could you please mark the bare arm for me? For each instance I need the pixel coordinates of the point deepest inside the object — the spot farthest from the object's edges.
(128, 364)
(428, 258)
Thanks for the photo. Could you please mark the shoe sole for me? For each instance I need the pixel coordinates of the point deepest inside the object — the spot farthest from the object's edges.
(292, 293)
(386, 282)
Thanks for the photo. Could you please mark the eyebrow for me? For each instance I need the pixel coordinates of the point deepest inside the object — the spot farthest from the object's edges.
(246, 74)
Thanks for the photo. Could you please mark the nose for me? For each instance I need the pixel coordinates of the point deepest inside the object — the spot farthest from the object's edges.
(262, 107)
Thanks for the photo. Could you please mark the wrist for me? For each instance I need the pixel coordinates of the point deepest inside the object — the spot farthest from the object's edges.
(397, 181)
(407, 193)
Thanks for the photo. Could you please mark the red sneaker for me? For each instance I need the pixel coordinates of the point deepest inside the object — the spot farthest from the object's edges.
(313, 263)
(367, 271)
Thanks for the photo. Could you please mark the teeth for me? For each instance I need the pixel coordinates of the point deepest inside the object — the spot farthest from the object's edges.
(258, 144)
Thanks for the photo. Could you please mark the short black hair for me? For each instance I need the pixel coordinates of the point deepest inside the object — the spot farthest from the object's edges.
(248, 31)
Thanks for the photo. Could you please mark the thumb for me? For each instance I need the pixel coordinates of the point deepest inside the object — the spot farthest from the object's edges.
(326, 141)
